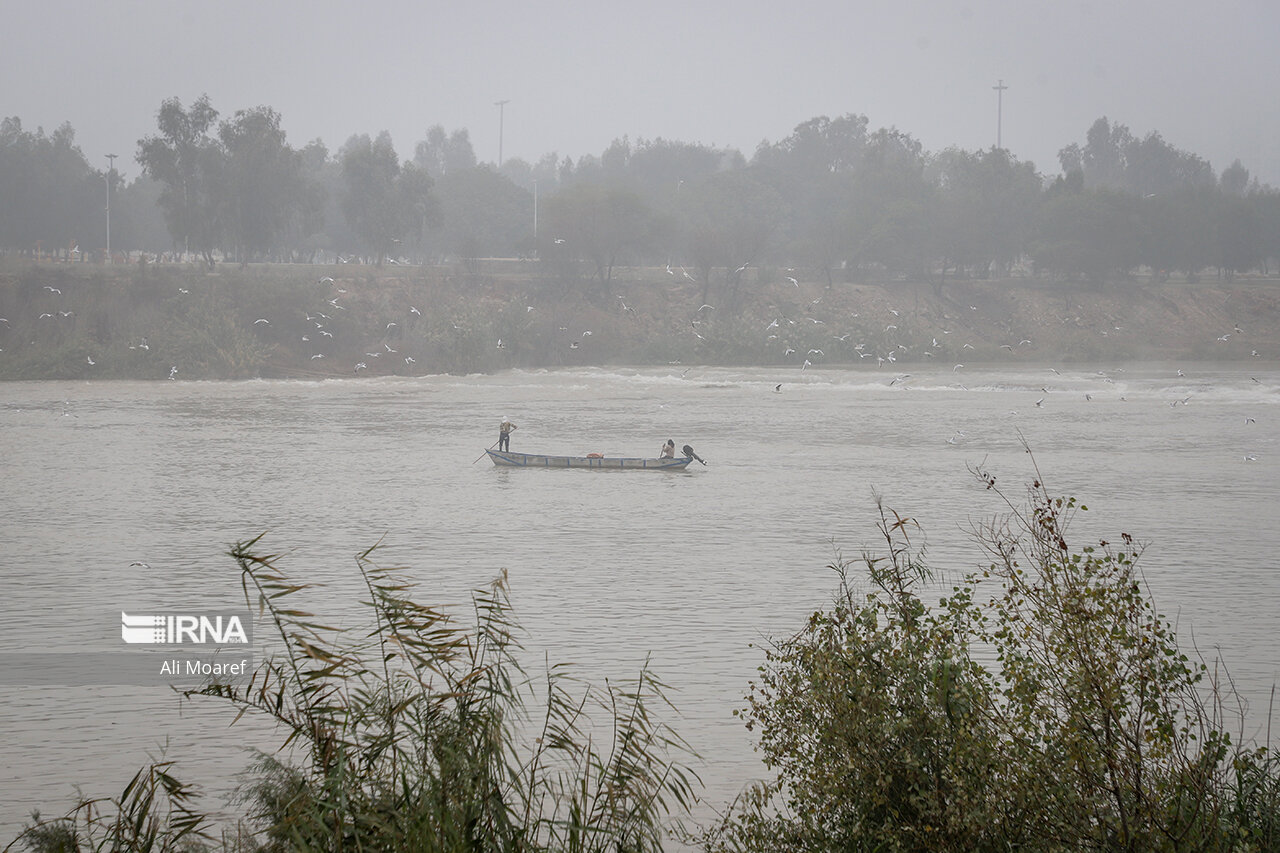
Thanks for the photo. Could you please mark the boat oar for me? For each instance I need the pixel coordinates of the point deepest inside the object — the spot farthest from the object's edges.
(491, 447)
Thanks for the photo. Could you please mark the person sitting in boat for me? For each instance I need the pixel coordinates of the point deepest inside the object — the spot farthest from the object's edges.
(504, 434)
(668, 450)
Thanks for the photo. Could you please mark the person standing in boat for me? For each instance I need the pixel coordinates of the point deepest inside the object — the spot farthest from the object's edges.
(668, 450)
(504, 434)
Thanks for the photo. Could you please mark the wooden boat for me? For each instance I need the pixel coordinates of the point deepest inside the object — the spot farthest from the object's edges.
(507, 459)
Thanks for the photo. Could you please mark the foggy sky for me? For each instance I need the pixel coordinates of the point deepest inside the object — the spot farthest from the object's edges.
(718, 72)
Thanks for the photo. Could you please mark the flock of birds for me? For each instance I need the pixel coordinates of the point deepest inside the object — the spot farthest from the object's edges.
(779, 331)
(323, 319)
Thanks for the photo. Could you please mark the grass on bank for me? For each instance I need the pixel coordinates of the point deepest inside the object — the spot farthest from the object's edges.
(298, 321)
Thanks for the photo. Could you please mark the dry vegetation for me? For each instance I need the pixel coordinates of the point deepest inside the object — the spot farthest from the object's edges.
(75, 322)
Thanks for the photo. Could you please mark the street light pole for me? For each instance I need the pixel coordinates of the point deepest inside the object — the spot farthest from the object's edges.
(500, 105)
(999, 87)
(111, 159)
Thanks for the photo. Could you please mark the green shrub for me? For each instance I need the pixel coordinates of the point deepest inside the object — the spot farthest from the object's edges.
(1042, 705)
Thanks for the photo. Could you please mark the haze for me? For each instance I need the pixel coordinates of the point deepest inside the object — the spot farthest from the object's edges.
(577, 76)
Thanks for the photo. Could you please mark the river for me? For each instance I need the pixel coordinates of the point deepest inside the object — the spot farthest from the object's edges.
(120, 495)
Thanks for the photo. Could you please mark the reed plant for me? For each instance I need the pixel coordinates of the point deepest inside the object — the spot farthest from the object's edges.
(420, 733)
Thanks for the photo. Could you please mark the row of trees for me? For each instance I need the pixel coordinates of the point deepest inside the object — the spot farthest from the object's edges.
(834, 197)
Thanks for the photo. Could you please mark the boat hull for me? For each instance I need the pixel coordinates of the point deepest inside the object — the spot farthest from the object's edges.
(507, 459)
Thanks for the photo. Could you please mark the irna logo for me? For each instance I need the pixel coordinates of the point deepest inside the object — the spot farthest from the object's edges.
(161, 628)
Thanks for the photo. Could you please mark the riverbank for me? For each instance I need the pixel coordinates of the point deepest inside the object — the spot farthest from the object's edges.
(70, 321)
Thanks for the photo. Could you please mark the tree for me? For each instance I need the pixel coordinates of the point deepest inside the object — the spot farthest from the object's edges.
(416, 204)
(137, 220)
(1178, 232)
(484, 214)
(895, 200)
(52, 198)
(816, 149)
(266, 191)
(442, 154)
(1234, 179)
(383, 202)
(312, 224)
(600, 224)
(730, 220)
(988, 201)
(1089, 235)
(1239, 235)
(1113, 158)
(1101, 161)
(190, 164)
(1155, 167)
(815, 171)
(1267, 205)
(658, 168)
